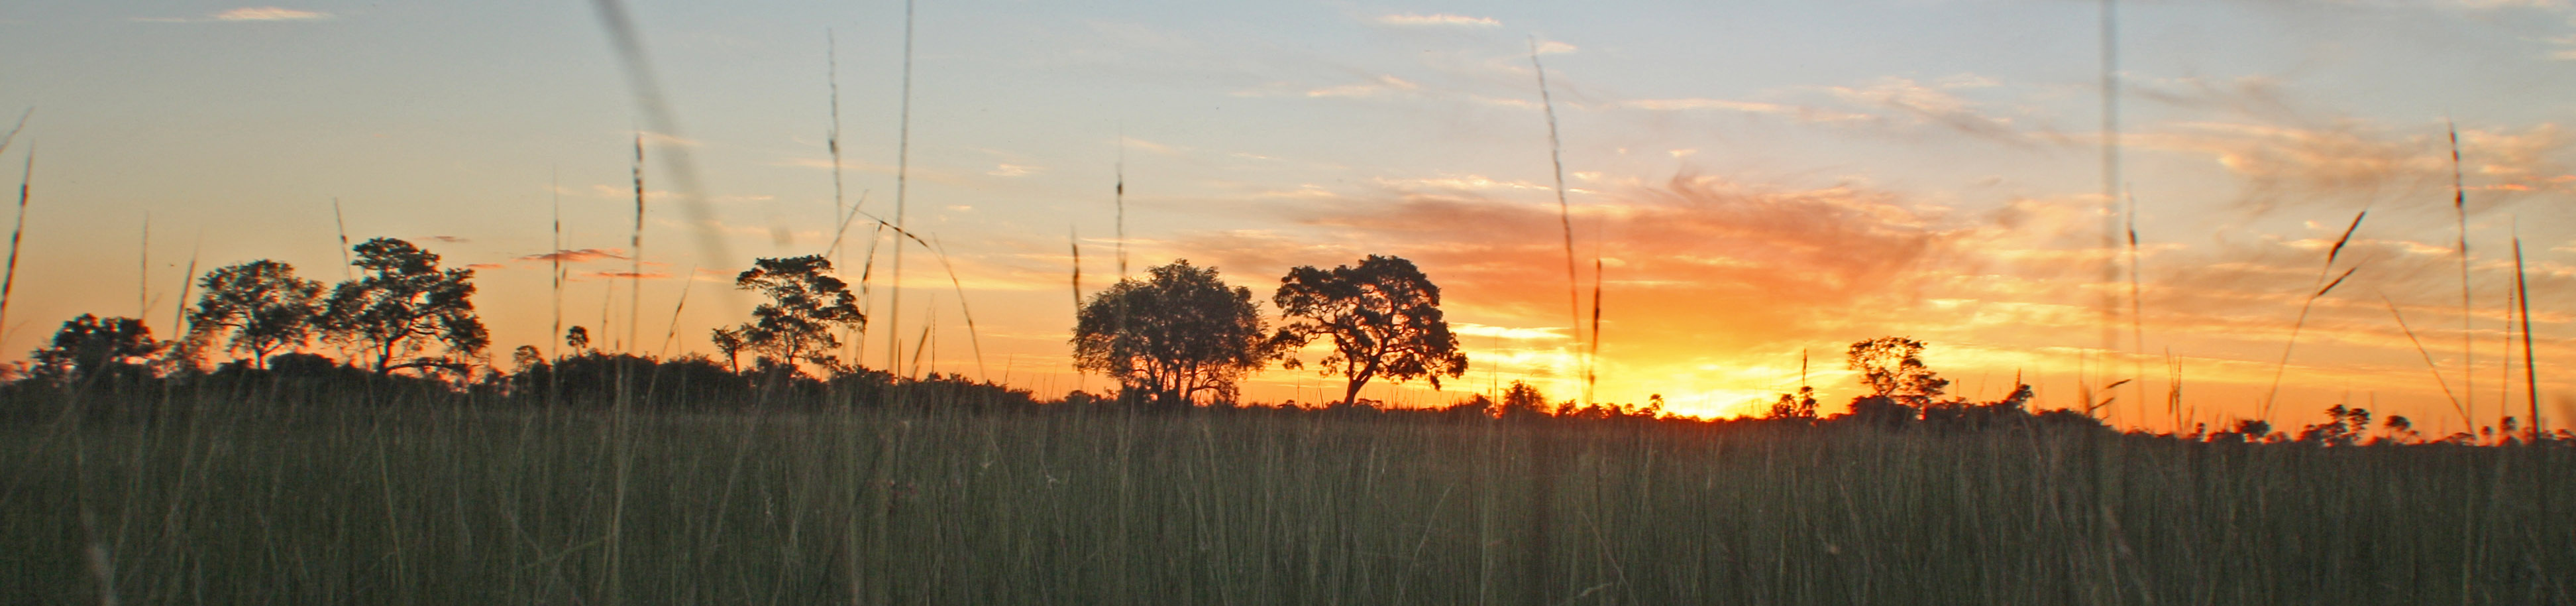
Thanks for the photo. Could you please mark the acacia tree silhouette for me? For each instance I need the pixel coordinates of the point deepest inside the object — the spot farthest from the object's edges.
(402, 305)
(1383, 317)
(261, 303)
(1179, 332)
(805, 304)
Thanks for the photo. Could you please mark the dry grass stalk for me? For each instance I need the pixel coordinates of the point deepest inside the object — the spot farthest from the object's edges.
(635, 255)
(2456, 406)
(2460, 213)
(2530, 374)
(1592, 355)
(629, 46)
(2111, 183)
(1073, 239)
(972, 336)
(346, 271)
(1564, 210)
(9, 277)
(687, 281)
(858, 334)
(143, 271)
(960, 286)
(13, 131)
(179, 313)
(902, 179)
(2332, 253)
(2137, 313)
(832, 143)
(554, 340)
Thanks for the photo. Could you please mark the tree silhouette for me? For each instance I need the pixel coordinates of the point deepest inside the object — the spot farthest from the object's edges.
(805, 304)
(1522, 401)
(728, 342)
(1383, 317)
(577, 339)
(404, 304)
(1892, 368)
(261, 303)
(88, 346)
(1179, 332)
(1801, 405)
(2343, 427)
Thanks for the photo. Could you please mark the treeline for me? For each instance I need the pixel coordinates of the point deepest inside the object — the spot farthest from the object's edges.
(1177, 337)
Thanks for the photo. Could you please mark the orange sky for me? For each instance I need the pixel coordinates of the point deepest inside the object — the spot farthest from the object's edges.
(1757, 182)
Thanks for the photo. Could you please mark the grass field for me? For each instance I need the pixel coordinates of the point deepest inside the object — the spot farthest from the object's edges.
(1069, 504)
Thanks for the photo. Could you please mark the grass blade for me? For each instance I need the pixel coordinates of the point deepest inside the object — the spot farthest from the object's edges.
(629, 47)
(902, 178)
(345, 265)
(9, 277)
(13, 131)
(2460, 212)
(2305, 306)
(1564, 210)
(2428, 363)
(2530, 374)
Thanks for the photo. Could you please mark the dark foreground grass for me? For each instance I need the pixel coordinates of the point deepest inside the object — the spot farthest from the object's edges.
(1074, 505)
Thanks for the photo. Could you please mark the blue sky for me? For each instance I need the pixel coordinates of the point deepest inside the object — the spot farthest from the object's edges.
(1758, 178)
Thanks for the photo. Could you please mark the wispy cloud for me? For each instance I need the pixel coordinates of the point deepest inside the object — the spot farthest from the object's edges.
(1933, 104)
(2349, 159)
(578, 256)
(1801, 113)
(1437, 19)
(649, 275)
(248, 13)
(1159, 148)
(269, 13)
(1385, 84)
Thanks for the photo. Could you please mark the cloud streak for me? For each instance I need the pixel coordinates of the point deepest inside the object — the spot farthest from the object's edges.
(578, 256)
(269, 13)
(1436, 20)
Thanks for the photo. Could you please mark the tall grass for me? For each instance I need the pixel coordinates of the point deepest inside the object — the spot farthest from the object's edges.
(143, 270)
(2460, 213)
(2530, 371)
(1097, 506)
(2319, 291)
(17, 234)
(902, 181)
(2456, 405)
(347, 267)
(1564, 210)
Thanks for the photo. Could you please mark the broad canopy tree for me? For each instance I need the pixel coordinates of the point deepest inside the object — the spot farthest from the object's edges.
(403, 305)
(88, 346)
(261, 304)
(805, 304)
(1172, 336)
(1383, 318)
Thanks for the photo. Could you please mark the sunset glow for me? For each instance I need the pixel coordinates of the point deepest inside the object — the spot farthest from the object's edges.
(1759, 186)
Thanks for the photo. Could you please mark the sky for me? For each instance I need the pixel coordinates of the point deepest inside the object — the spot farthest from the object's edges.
(1761, 184)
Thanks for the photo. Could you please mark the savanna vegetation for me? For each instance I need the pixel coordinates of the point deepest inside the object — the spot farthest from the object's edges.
(410, 470)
